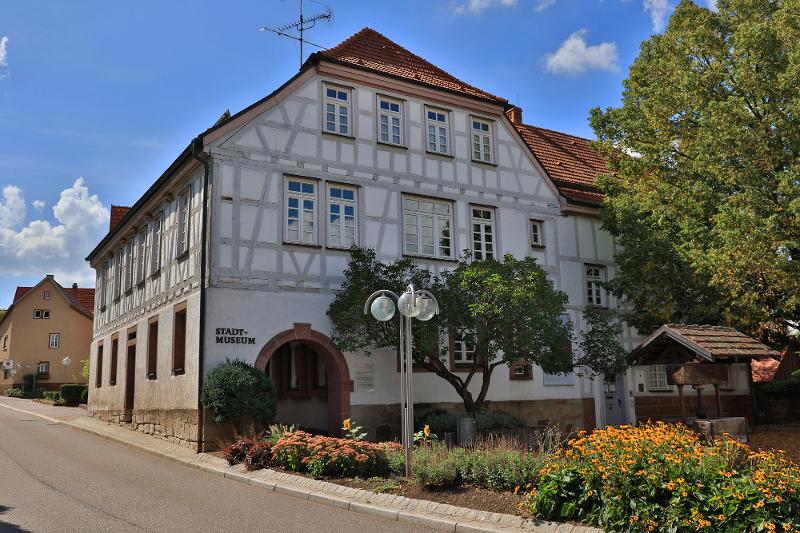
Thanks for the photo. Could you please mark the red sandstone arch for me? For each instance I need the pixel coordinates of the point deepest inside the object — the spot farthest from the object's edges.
(339, 383)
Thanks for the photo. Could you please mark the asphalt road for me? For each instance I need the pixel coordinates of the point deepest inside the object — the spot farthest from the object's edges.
(57, 478)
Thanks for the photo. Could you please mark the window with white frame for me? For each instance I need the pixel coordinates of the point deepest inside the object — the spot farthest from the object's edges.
(301, 211)
(337, 110)
(43, 368)
(657, 378)
(55, 340)
(45, 313)
(135, 259)
(482, 232)
(184, 210)
(155, 243)
(46, 295)
(116, 266)
(463, 353)
(390, 120)
(107, 281)
(342, 208)
(427, 227)
(595, 277)
(438, 127)
(127, 267)
(537, 233)
(481, 140)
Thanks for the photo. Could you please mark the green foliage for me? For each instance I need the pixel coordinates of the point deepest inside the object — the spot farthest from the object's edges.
(73, 393)
(600, 344)
(276, 431)
(85, 396)
(704, 193)
(235, 390)
(50, 395)
(782, 387)
(14, 392)
(508, 310)
(85, 369)
(27, 383)
(441, 421)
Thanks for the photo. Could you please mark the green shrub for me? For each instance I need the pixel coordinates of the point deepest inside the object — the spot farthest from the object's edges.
(436, 466)
(27, 383)
(235, 390)
(14, 392)
(441, 421)
(782, 387)
(85, 396)
(72, 393)
(496, 420)
(51, 395)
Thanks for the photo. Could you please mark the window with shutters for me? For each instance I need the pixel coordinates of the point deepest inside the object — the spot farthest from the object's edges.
(337, 110)
(390, 121)
(483, 234)
(155, 243)
(342, 212)
(427, 227)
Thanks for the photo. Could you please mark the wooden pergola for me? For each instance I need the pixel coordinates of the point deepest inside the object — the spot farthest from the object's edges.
(698, 356)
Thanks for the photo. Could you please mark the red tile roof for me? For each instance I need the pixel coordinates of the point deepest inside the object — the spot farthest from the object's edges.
(80, 298)
(571, 162)
(765, 369)
(20, 292)
(370, 50)
(117, 212)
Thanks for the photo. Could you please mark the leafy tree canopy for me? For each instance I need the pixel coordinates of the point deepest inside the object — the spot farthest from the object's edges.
(704, 194)
(507, 310)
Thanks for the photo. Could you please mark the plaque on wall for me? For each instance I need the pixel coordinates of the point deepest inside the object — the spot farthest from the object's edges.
(365, 377)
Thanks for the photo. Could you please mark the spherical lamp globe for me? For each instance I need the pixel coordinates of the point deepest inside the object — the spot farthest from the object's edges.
(382, 308)
(427, 308)
(406, 305)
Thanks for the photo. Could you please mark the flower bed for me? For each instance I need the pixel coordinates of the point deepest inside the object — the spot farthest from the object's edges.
(661, 477)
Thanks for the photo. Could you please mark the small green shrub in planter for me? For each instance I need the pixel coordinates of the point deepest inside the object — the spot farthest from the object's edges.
(259, 455)
(72, 393)
(85, 396)
(235, 390)
(14, 392)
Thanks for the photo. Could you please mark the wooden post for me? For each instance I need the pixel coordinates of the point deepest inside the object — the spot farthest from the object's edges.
(683, 406)
(719, 403)
(699, 389)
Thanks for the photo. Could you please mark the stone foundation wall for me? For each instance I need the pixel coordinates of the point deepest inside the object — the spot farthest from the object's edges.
(382, 422)
(668, 407)
(175, 425)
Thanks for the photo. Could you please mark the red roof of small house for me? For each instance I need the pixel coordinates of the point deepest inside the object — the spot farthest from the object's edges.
(80, 298)
(20, 292)
(370, 50)
(765, 369)
(117, 212)
(571, 162)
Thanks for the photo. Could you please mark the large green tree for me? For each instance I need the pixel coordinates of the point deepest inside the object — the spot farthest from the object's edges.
(704, 193)
(507, 310)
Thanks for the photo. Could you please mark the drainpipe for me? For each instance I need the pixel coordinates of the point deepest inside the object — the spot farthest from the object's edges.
(197, 153)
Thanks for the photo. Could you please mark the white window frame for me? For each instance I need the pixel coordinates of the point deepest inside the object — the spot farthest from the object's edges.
(141, 264)
(46, 295)
(338, 207)
(37, 313)
(441, 220)
(482, 227)
(392, 119)
(461, 353)
(183, 222)
(657, 378)
(54, 342)
(341, 108)
(483, 136)
(440, 124)
(596, 295)
(45, 313)
(537, 233)
(43, 365)
(155, 243)
(302, 215)
(107, 283)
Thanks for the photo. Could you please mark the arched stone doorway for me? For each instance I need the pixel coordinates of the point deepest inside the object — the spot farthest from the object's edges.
(303, 343)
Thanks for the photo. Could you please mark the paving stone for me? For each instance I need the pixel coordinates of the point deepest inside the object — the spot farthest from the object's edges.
(373, 510)
(327, 499)
(269, 485)
(292, 490)
(477, 527)
(426, 520)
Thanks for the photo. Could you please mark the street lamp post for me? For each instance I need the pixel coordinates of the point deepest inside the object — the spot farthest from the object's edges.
(66, 362)
(419, 304)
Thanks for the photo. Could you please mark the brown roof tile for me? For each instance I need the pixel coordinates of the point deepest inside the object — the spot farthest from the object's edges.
(370, 50)
(571, 162)
(723, 342)
(81, 298)
(765, 369)
(20, 292)
(117, 212)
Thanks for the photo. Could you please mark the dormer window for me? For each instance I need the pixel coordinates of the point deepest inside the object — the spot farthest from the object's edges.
(438, 127)
(390, 120)
(481, 140)
(337, 110)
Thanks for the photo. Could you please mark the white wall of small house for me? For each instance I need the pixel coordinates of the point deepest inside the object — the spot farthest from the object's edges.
(739, 383)
(262, 284)
(177, 282)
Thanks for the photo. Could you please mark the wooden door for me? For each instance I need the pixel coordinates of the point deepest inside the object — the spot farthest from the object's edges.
(130, 377)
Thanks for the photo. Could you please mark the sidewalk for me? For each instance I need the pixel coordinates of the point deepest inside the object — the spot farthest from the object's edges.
(421, 512)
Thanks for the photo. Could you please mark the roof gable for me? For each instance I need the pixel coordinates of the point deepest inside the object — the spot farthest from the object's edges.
(81, 299)
(370, 50)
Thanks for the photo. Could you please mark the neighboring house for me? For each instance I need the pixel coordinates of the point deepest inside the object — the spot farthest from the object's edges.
(45, 324)
(236, 251)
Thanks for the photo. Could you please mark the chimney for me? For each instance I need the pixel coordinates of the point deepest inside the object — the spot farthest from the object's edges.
(117, 212)
(74, 285)
(514, 114)
(50, 276)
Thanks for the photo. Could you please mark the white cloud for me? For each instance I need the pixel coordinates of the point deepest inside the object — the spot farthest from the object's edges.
(3, 51)
(658, 9)
(38, 205)
(41, 247)
(477, 7)
(541, 5)
(575, 56)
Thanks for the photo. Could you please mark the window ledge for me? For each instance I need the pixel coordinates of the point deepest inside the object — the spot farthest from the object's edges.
(446, 156)
(382, 144)
(430, 258)
(340, 136)
(487, 163)
(155, 274)
(302, 245)
(537, 246)
(338, 248)
(178, 371)
(659, 390)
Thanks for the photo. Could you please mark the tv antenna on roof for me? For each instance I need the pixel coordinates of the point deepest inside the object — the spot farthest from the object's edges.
(301, 26)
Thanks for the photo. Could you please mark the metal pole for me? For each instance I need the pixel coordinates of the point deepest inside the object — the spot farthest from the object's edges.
(403, 393)
(409, 392)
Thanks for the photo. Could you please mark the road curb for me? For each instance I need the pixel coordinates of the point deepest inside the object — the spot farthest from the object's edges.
(398, 508)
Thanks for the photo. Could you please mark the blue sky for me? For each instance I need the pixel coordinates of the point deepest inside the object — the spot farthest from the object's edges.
(97, 98)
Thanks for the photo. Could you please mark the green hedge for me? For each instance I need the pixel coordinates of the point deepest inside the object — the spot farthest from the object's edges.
(51, 395)
(72, 393)
(441, 421)
(235, 390)
(14, 392)
(85, 395)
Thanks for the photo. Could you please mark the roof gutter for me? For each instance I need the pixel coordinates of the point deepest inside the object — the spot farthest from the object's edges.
(199, 155)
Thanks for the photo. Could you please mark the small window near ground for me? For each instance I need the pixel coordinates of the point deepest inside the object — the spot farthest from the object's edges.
(657, 378)
(342, 222)
(483, 245)
(537, 235)
(521, 371)
(337, 110)
(438, 127)
(55, 340)
(390, 121)
(301, 211)
(481, 140)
